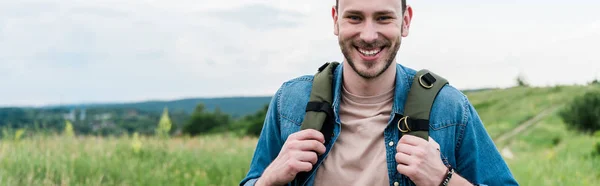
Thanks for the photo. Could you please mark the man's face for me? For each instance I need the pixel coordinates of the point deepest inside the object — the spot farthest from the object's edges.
(370, 32)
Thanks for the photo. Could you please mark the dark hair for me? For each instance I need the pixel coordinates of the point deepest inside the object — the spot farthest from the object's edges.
(403, 5)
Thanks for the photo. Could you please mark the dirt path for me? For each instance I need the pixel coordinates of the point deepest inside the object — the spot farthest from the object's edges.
(525, 125)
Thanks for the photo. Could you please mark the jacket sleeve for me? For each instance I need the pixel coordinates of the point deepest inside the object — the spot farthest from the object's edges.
(478, 159)
(269, 143)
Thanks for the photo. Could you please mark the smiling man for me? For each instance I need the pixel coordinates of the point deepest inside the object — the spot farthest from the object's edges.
(369, 92)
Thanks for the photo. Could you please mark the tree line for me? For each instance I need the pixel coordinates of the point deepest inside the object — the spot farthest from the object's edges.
(118, 121)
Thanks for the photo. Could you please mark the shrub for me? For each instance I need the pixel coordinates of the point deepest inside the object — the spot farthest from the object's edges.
(556, 140)
(583, 113)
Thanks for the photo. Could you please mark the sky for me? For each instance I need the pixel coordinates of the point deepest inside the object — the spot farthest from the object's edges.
(90, 51)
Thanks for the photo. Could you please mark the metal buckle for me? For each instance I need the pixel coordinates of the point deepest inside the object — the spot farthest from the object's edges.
(423, 84)
(405, 124)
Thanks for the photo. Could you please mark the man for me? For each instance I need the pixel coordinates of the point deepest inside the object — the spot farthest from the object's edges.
(366, 148)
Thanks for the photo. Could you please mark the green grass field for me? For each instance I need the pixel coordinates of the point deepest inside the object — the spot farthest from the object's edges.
(58, 160)
(547, 153)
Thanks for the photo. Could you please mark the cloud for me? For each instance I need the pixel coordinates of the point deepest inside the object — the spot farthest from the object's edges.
(100, 12)
(74, 51)
(79, 51)
(258, 16)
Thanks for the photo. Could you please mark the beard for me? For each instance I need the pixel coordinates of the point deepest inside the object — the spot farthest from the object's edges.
(374, 69)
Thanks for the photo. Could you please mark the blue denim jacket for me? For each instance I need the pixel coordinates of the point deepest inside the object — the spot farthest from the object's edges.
(454, 124)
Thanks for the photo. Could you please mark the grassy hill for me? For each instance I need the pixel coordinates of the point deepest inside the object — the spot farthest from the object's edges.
(547, 152)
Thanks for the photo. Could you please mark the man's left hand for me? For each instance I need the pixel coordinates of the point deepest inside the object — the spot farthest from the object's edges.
(420, 160)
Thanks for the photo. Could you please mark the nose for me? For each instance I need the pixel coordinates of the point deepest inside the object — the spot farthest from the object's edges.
(369, 32)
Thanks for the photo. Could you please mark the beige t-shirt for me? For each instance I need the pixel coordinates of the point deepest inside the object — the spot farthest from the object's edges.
(358, 155)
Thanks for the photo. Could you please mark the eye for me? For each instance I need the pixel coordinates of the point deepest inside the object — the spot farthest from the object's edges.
(384, 18)
(354, 18)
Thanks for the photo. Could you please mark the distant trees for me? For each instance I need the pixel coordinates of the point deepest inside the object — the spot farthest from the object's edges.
(119, 121)
(14, 117)
(202, 121)
(256, 121)
(95, 121)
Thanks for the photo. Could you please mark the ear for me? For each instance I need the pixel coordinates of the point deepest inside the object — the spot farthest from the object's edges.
(408, 14)
(334, 15)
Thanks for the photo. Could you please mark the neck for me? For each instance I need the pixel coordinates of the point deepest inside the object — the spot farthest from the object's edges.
(357, 85)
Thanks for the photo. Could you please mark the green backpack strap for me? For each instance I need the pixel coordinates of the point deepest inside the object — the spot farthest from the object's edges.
(318, 108)
(425, 87)
(319, 111)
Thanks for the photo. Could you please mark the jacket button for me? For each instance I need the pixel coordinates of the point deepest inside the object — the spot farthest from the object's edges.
(396, 183)
(391, 143)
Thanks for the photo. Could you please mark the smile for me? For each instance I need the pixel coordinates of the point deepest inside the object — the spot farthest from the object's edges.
(369, 54)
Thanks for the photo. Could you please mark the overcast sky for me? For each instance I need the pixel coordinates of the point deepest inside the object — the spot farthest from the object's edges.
(80, 51)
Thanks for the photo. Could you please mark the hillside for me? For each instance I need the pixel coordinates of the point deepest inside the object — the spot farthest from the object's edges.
(546, 152)
(235, 106)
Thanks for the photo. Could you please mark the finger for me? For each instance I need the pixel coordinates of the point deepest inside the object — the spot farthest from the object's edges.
(412, 140)
(404, 159)
(405, 170)
(300, 166)
(406, 149)
(307, 156)
(307, 145)
(315, 146)
(308, 134)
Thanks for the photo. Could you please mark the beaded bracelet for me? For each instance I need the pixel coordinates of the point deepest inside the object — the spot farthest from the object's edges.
(447, 177)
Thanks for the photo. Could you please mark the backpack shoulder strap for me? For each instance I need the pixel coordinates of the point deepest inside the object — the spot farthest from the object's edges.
(425, 88)
(319, 111)
(318, 108)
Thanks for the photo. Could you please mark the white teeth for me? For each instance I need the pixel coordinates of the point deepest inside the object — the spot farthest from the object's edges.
(369, 52)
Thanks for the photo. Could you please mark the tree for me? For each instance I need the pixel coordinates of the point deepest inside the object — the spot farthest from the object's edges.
(203, 122)
(521, 81)
(164, 125)
(256, 121)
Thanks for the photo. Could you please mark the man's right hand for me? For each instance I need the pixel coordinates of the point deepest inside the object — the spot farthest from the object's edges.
(298, 154)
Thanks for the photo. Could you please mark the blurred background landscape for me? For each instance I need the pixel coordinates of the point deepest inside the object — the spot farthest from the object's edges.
(175, 93)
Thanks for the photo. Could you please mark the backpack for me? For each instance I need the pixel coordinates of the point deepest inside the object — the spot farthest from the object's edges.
(414, 121)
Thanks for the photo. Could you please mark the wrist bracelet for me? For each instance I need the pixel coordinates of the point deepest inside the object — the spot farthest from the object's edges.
(446, 179)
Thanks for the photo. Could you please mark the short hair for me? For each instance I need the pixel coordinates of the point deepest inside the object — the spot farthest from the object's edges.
(403, 5)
